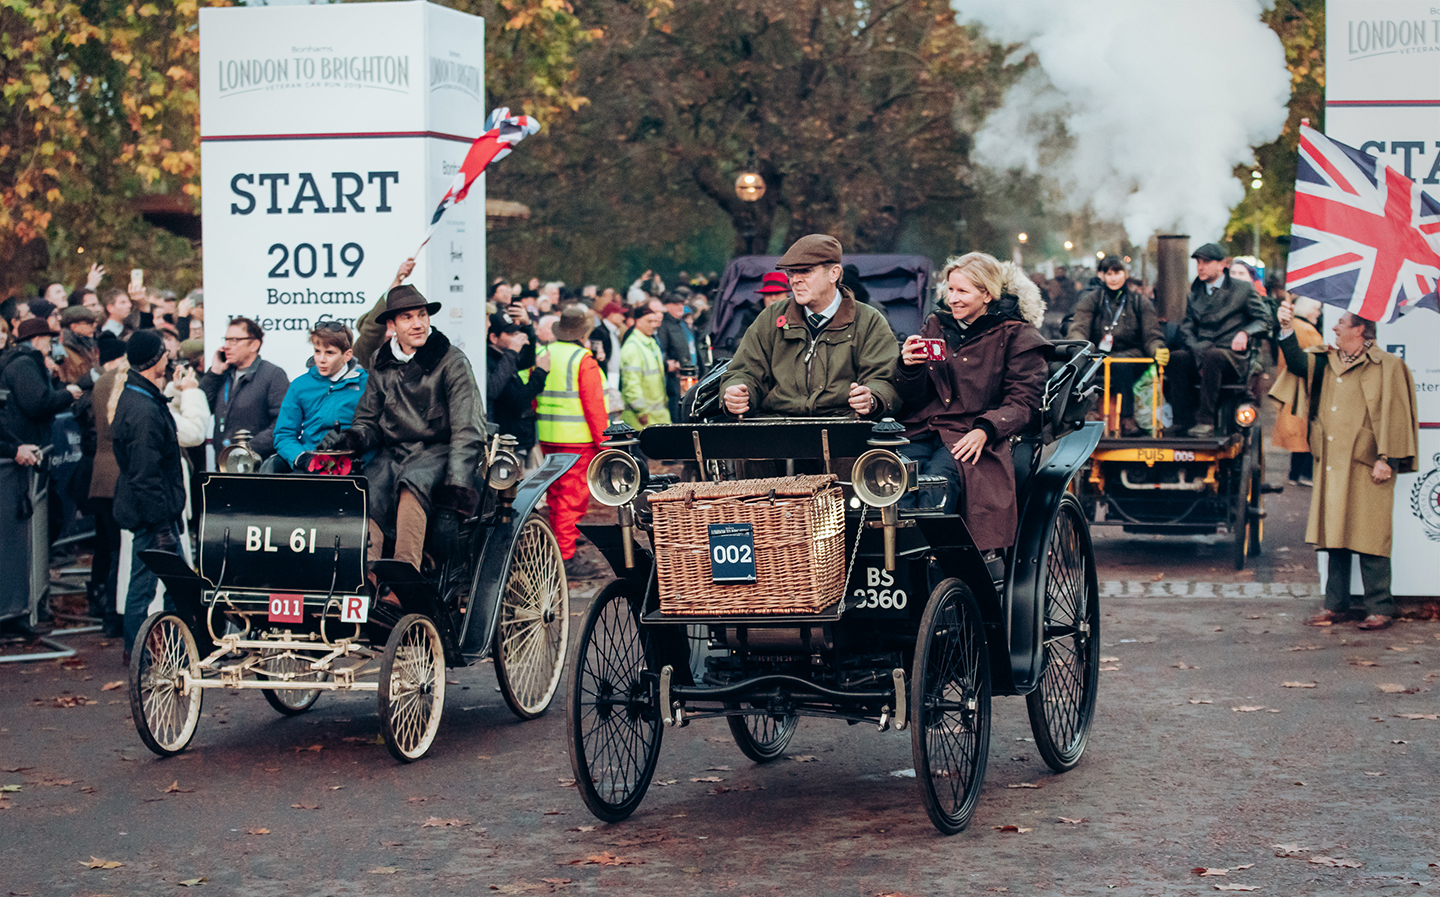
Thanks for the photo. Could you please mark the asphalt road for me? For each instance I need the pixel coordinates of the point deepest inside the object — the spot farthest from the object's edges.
(1228, 736)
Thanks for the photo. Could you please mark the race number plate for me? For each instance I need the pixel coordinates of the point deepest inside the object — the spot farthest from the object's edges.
(732, 553)
(285, 608)
(1153, 455)
(877, 592)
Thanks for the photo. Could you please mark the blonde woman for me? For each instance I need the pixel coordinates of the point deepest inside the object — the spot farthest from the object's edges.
(963, 403)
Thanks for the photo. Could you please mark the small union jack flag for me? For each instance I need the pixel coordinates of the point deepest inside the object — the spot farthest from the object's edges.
(1365, 237)
(502, 132)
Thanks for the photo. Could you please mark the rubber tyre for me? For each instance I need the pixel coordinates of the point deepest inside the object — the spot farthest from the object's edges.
(1256, 524)
(1062, 706)
(613, 709)
(762, 738)
(291, 701)
(412, 687)
(533, 632)
(950, 706)
(164, 717)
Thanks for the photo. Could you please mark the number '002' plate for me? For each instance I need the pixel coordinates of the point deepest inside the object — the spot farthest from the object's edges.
(732, 553)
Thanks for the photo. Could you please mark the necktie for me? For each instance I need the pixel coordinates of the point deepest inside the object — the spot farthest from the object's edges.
(817, 320)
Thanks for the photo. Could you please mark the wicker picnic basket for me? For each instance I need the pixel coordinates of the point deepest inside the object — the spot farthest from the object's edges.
(799, 531)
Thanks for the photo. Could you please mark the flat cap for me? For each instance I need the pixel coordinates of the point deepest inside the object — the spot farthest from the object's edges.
(1210, 252)
(813, 249)
(74, 314)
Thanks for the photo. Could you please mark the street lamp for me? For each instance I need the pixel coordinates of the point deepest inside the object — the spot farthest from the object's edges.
(749, 187)
(1024, 237)
(1100, 255)
(1069, 246)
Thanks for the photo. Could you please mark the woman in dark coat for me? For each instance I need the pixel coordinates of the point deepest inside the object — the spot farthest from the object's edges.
(960, 413)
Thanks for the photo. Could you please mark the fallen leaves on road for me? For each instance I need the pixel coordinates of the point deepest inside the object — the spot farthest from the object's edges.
(1399, 741)
(718, 769)
(112, 686)
(317, 748)
(1289, 850)
(1023, 785)
(65, 701)
(1201, 701)
(1398, 648)
(257, 831)
(1304, 648)
(1395, 688)
(1068, 821)
(1109, 660)
(1182, 665)
(437, 822)
(304, 806)
(1229, 887)
(662, 783)
(1375, 774)
(802, 758)
(97, 863)
(1361, 662)
(605, 859)
(384, 870)
(1297, 684)
(1337, 863)
(1110, 669)
(176, 789)
(192, 882)
(9, 788)
(903, 773)
(582, 828)
(1248, 708)
(565, 783)
(1203, 871)
(1010, 828)
(1417, 716)
(707, 779)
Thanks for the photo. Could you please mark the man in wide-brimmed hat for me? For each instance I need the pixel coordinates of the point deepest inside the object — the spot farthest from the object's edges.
(421, 410)
(572, 418)
(33, 396)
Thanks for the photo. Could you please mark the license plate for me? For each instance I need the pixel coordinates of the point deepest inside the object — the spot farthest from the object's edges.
(877, 592)
(287, 608)
(732, 553)
(1153, 455)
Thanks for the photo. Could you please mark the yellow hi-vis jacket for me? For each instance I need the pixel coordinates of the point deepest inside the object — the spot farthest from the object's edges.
(642, 381)
(560, 417)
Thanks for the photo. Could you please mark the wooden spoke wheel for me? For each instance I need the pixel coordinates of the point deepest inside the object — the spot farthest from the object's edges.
(412, 687)
(165, 712)
(534, 625)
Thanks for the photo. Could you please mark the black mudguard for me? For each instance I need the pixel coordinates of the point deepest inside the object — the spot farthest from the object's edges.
(1029, 572)
(492, 558)
(184, 587)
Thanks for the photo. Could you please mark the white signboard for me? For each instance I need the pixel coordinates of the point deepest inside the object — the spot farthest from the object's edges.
(329, 134)
(1382, 95)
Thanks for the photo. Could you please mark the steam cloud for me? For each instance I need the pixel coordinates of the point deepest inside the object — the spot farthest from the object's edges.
(1139, 109)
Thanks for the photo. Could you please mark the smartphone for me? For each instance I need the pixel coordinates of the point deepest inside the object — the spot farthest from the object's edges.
(934, 349)
(137, 278)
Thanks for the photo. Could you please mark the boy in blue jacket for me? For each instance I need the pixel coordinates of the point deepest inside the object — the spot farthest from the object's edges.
(323, 396)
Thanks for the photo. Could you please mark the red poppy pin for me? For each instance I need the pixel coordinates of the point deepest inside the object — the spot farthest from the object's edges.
(780, 321)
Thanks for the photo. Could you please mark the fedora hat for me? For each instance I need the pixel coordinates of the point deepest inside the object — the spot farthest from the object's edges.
(404, 298)
(574, 324)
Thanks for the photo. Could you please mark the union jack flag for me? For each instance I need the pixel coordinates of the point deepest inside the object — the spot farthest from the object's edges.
(1365, 237)
(502, 132)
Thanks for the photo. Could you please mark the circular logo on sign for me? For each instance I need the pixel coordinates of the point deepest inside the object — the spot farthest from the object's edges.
(1425, 501)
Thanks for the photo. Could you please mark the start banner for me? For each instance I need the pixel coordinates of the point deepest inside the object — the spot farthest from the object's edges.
(328, 135)
(1382, 95)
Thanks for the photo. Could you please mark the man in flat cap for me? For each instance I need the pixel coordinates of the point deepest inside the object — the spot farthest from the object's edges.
(819, 353)
(421, 410)
(1222, 318)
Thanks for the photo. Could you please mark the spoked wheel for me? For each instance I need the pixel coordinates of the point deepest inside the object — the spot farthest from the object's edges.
(165, 714)
(291, 701)
(614, 714)
(1247, 492)
(762, 737)
(412, 687)
(534, 622)
(1063, 704)
(950, 706)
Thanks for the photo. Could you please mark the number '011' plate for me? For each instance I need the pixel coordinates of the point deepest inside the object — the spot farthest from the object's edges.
(732, 553)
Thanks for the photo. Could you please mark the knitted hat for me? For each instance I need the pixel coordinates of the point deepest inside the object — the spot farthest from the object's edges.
(144, 350)
(110, 347)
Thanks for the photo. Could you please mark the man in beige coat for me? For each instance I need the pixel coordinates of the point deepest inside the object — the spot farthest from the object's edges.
(1363, 431)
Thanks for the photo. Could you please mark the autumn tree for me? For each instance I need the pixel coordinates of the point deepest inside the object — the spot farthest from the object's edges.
(848, 110)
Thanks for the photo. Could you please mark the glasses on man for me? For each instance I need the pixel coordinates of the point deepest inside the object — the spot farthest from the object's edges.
(236, 340)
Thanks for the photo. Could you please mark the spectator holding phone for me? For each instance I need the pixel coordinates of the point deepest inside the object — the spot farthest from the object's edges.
(245, 390)
(965, 398)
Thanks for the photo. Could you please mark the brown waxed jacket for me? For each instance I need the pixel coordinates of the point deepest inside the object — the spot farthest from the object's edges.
(790, 375)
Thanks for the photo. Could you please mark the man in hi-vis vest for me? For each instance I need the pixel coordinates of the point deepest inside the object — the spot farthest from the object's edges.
(571, 417)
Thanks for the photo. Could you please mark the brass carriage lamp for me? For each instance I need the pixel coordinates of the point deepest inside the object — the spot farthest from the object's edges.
(238, 456)
(883, 475)
(503, 468)
(615, 478)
